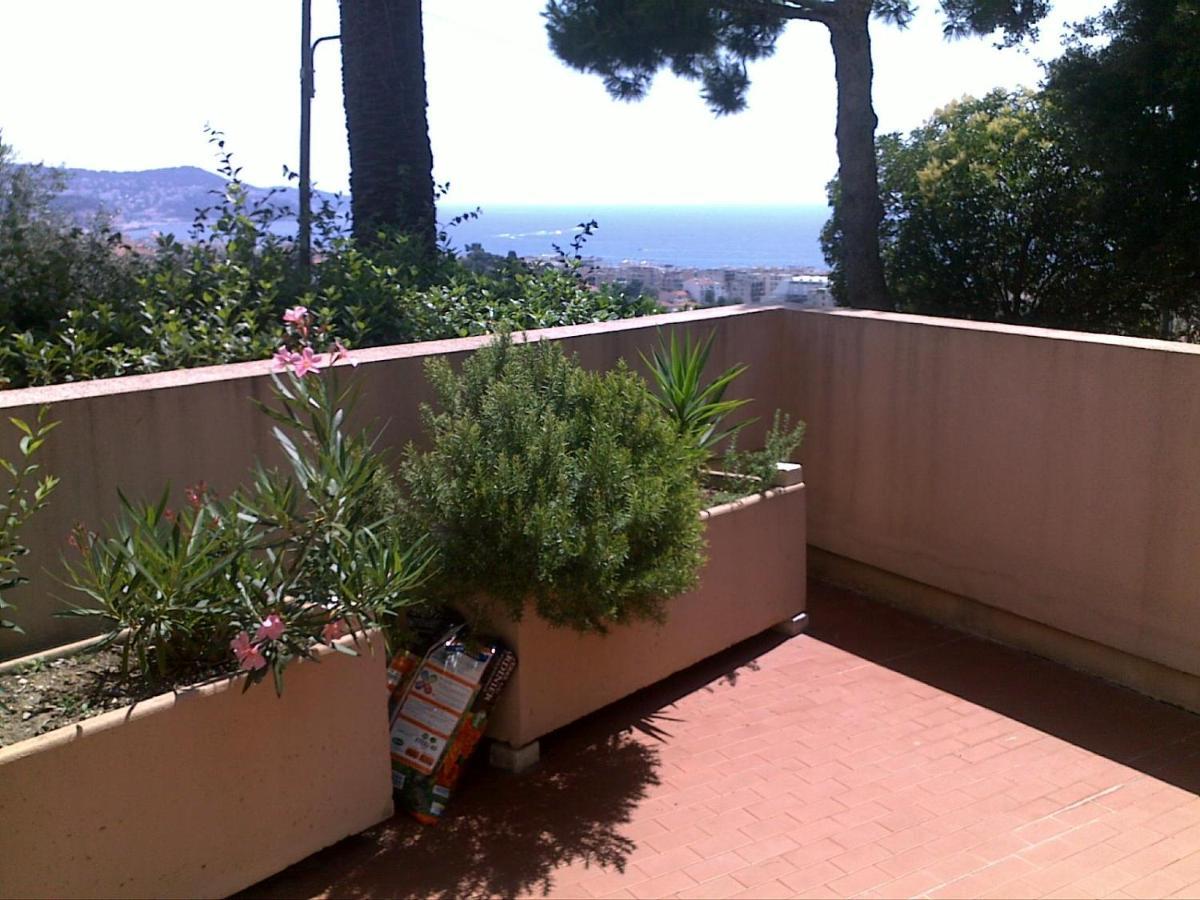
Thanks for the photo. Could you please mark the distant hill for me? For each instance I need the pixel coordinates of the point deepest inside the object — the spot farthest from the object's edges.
(154, 200)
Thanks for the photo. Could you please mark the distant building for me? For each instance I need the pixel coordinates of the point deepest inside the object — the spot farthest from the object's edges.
(744, 285)
(705, 291)
(674, 301)
(804, 290)
(679, 287)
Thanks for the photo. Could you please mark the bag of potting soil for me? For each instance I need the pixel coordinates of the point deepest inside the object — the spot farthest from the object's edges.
(439, 708)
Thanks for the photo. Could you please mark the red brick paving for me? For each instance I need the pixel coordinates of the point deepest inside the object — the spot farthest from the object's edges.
(876, 756)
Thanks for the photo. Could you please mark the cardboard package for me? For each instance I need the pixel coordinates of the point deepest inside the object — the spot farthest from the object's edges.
(439, 711)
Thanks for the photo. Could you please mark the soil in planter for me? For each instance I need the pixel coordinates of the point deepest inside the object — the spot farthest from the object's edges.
(717, 491)
(716, 497)
(48, 694)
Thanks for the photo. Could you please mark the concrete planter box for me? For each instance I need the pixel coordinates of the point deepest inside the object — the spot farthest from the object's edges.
(754, 579)
(200, 792)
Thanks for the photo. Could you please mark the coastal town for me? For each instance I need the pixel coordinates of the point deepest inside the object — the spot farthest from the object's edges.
(684, 287)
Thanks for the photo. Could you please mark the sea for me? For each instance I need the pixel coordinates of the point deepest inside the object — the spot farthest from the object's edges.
(692, 236)
(702, 237)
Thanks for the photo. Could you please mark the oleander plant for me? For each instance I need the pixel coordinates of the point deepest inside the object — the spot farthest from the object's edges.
(294, 560)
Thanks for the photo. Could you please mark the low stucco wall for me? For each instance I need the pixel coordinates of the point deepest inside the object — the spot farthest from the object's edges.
(755, 577)
(200, 793)
(140, 433)
(1048, 474)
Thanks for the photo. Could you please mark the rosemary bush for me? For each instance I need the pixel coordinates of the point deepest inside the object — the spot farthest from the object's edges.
(757, 468)
(551, 483)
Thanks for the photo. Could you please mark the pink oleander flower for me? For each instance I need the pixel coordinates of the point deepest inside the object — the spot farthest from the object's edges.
(283, 359)
(195, 494)
(252, 661)
(306, 361)
(340, 352)
(248, 656)
(270, 629)
(297, 315)
(334, 630)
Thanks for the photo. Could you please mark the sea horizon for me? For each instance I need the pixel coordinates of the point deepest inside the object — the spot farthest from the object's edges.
(694, 235)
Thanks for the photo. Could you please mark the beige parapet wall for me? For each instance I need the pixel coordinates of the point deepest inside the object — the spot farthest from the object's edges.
(1047, 474)
(140, 433)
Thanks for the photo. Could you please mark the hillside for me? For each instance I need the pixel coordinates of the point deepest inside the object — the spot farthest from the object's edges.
(154, 200)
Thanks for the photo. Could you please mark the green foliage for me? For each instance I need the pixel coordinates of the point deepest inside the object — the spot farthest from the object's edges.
(990, 214)
(626, 42)
(22, 500)
(696, 409)
(547, 482)
(111, 309)
(380, 296)
(316, 546)
(79, 303)
(1128, 87)
(48, 265)
(756, 469)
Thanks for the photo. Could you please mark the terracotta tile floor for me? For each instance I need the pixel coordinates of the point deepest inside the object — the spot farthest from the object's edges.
(877, 755)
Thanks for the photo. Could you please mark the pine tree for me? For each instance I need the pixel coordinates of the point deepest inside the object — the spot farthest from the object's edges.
(711, 41)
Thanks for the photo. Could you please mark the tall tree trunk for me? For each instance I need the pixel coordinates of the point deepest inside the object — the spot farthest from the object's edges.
(862, 210)
(383, 80)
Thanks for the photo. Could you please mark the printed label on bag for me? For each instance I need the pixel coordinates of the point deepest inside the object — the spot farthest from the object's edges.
(416, 746)
(443, 688)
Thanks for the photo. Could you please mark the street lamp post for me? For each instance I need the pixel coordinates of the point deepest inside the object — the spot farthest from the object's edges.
(308, 47)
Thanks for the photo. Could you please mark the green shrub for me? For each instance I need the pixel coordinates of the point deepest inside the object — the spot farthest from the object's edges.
(26, 495)
(551, 483)
(380, 296)
(79, 303)
(757, 468)
(697, 411)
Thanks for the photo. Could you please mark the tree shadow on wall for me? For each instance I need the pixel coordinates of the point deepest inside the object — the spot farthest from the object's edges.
(503, 835)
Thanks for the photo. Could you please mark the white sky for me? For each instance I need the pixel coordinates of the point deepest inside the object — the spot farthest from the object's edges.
(129, 85)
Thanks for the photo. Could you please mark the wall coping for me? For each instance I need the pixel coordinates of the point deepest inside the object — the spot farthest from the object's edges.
(127, 384)
(995, 328)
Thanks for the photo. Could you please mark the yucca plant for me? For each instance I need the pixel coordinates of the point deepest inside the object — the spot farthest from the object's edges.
(697, 410)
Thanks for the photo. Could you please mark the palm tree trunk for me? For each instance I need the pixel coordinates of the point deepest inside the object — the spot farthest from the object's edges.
(391, 162)
(862, 210)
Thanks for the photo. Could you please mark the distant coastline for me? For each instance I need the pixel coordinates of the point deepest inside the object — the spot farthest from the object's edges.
(699, 236)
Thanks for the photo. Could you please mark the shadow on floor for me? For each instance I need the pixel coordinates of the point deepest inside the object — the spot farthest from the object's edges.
(505, 835)
(1099, 716)
(649, 710)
